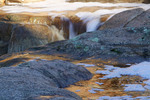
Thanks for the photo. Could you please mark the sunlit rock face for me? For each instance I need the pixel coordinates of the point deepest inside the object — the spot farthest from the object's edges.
(27, 30)
(1, 2)
(112, 1)
(19, 32)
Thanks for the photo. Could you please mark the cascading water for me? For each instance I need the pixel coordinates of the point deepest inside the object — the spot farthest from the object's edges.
(64, 20)
(71, 31)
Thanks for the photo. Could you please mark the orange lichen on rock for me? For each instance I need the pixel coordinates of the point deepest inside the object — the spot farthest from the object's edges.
(17, 58)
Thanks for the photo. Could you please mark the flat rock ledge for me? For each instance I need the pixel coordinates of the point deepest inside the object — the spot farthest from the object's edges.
(41, 80)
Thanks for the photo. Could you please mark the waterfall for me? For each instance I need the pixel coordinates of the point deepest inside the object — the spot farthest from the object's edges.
(71, 30)
(57, 34)
(92, 25)
(54, 20)
(41, 30)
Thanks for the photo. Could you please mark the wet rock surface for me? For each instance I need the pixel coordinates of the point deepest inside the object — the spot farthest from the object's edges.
(19, 32)
(34, 79)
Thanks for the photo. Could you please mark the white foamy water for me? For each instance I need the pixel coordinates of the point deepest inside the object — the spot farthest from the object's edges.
(55, 8)
(92, 19)
(62, 5)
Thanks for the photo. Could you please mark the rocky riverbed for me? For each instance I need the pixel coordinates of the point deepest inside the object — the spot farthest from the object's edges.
(58, 50)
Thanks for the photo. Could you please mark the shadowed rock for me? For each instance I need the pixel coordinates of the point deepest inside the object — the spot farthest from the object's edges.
(5, 34)
(125, 45)
(33, 79)
(121, 19)
(13, 62)
(130, 18)
(29, 35)
(142, 20)
(62, 72)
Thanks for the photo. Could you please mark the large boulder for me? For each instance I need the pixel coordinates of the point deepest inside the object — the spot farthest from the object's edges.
(141, 20)
(125, 45)
(19, 32)
(62, 73)
(130, 18)
(29, 35)
(121, 19)
(35, 80)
